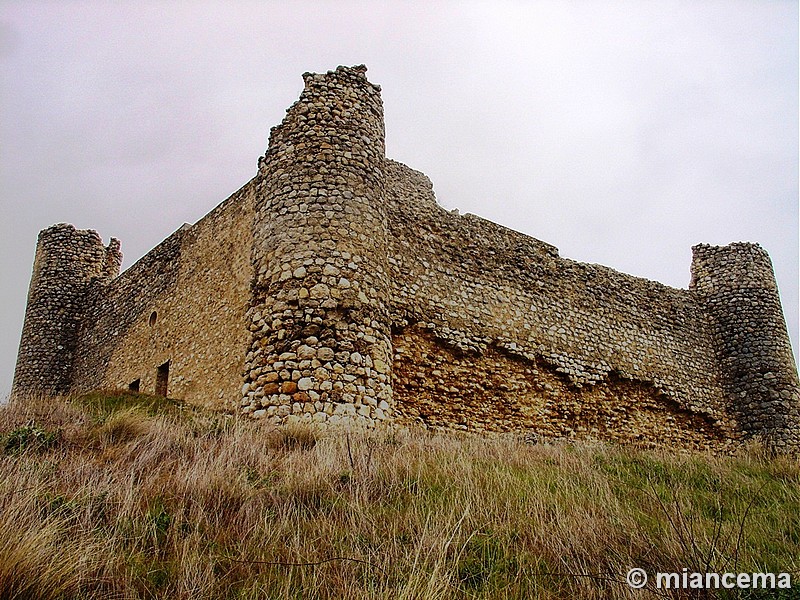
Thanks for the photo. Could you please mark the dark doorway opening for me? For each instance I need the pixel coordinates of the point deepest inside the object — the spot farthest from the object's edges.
(134, 385)
(162, 379)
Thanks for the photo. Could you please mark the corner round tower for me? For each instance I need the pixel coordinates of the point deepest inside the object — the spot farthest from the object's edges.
(321, 347)
(736, 286)
(67, 261)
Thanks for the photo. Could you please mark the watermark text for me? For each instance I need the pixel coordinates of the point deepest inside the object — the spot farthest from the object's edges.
(686, 579)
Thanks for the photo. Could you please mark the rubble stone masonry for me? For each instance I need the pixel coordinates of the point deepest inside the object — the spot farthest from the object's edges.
(332, 288)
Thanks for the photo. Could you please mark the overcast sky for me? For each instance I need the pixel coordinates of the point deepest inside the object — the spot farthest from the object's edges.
(621, 132)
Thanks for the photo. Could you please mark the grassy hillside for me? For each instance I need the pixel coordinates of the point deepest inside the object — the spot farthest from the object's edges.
(130, 496)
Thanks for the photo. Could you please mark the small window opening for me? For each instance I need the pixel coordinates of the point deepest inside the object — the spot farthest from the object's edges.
(153, 317)
(162, 379)
(134, 385)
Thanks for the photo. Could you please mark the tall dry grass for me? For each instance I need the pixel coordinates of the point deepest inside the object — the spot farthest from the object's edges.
(129, 496)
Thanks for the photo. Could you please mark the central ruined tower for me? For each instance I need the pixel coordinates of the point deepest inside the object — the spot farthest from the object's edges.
(319, 321)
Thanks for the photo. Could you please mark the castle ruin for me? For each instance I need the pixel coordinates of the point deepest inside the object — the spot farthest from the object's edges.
(332, 288)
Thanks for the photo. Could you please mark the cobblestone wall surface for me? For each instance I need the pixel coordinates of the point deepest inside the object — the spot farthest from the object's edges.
(320, 347)
(332, 288)
(476, 287)
(68, 262)
(736, 286)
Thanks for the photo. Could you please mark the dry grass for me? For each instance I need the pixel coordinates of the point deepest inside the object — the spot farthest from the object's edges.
(123, 496)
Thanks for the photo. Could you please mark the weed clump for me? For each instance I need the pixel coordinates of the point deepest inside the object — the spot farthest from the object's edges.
(28, 438)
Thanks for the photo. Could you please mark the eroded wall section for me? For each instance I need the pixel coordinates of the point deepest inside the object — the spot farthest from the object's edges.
(495, 390)
(555, 346)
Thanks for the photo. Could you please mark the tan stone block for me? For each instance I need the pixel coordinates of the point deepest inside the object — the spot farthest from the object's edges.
(288, 387)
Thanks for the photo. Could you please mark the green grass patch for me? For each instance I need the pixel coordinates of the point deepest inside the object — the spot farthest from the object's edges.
(102, 404)
(28, 438)
(487, 561)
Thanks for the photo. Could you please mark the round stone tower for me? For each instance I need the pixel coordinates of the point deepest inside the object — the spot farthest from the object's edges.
(67, 262)
(736, 285)
(321, 348)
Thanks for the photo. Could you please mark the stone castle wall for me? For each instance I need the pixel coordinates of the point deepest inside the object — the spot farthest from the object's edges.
(184, 302)
(333, 288)
(469, 290)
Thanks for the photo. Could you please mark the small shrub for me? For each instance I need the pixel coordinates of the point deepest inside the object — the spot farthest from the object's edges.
(158, 522)
(28, 438)
(57, 505)
(257, 479)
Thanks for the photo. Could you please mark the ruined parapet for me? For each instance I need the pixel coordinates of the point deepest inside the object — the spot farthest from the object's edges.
(321, 347)
(67, 262)
(736, 285)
